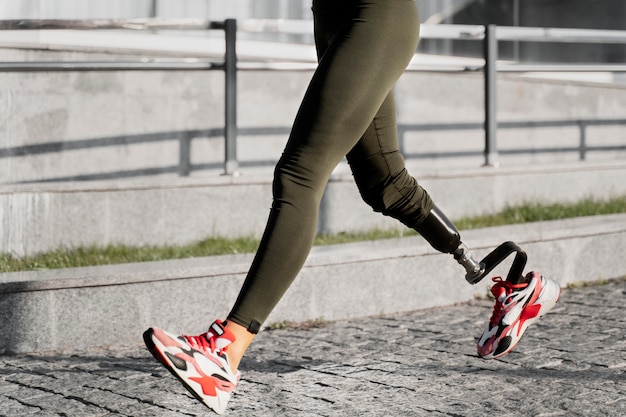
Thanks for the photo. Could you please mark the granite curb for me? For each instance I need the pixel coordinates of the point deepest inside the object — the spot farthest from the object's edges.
(110, 306)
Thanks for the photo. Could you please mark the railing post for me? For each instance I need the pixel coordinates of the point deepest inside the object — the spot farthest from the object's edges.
(230, 105)
(582, 152)
(490, 45)
(184, 154)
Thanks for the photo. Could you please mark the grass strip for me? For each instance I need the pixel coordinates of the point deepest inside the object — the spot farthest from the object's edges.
(115, 254)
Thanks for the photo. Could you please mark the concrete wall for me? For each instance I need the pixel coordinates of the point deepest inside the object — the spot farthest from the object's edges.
(110, 125)
(123, 130)
(39, 217)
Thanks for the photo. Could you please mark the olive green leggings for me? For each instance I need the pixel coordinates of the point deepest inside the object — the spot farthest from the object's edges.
(348, 110)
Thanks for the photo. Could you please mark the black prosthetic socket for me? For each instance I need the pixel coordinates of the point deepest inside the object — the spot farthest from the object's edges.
(442, 235)
(439, 231)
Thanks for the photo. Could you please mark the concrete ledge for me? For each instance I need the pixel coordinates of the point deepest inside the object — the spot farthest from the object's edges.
(43, 217)
(75, 309)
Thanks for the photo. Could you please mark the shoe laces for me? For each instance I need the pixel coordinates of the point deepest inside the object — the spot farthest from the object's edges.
(205, 342)
(502, 290)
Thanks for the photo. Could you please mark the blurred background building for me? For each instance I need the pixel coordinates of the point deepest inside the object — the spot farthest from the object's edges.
(595, 14)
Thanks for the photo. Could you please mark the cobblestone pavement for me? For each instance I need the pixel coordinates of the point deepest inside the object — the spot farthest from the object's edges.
(571, 363)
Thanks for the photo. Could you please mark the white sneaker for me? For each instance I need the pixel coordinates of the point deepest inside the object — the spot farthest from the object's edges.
(199, 362)
(517, 307)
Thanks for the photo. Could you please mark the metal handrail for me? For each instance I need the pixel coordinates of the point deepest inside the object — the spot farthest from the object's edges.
(537, 34)
(490, 35)
(108, 66)
(126, 24)
(447, 31)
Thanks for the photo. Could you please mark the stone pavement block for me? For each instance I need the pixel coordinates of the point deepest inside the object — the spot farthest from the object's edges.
(12, 406)
(50, 394)
(421, 363)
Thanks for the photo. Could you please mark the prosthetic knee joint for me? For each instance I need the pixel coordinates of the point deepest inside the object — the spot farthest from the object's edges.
(442, 235)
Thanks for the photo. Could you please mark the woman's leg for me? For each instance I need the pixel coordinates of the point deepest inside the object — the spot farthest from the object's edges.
(364, 48)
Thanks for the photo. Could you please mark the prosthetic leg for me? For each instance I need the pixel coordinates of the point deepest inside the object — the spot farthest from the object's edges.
(519, 301)
(442, 235)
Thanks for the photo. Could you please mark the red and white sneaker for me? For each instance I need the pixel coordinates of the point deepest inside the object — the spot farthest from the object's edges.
(517, 307)
(199, 362)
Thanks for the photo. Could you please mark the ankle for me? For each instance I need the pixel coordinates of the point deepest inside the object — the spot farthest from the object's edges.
(238, 348)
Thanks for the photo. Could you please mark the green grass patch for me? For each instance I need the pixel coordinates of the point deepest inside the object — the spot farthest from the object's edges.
(535, 212)
(115, 254)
